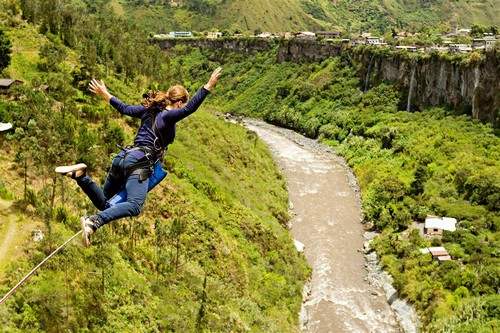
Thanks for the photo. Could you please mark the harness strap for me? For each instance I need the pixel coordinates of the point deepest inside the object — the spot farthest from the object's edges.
(143, 167)
(157, 134)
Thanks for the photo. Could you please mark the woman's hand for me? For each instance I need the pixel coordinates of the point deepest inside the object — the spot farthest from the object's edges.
(213, 79)
(99, 88)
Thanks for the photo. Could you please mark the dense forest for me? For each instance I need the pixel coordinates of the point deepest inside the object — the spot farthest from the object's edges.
(409, 165)
(211, 251)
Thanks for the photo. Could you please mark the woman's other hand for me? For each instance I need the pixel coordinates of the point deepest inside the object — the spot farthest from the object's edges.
(99, 88)
(213, 79)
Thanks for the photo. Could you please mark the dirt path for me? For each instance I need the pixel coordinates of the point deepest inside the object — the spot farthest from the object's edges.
(327, 216)
(9, 226)
(7, 240)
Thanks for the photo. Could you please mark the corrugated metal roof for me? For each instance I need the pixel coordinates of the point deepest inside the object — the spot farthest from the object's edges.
(6, 82)
(438, 251)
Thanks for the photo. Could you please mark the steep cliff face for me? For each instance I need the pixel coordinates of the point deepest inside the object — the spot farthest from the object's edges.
(244, 45)
(297, 50)
(472, 88)
(469, 88)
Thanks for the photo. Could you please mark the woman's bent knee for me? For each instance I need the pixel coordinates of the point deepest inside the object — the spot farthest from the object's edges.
(135, 208)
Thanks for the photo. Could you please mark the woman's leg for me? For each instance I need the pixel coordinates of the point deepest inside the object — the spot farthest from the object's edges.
(136, 195)
(112, 185)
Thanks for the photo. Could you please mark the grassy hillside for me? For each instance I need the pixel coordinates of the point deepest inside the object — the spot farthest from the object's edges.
(210, 252)
(408, 165)
(293, 15)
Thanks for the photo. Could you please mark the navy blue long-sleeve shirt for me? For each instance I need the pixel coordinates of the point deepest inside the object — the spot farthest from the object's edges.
(165, 120)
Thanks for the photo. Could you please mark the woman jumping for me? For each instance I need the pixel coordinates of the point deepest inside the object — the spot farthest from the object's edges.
(132, 167)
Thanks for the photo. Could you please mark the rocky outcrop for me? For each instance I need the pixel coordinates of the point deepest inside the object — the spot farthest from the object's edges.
(406, 314)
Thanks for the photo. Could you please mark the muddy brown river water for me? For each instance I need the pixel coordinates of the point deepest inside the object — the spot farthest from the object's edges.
(327, 220)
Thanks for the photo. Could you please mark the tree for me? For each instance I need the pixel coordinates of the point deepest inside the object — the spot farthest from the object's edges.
(5, 50)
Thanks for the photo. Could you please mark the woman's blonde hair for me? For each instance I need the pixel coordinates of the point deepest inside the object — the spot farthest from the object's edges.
(162, 99)
(177, 93)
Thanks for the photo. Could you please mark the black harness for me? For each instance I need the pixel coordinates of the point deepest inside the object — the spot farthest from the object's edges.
(144, 167)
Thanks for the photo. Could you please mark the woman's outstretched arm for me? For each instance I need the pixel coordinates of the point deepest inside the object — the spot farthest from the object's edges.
(99, 88)
(178, 114)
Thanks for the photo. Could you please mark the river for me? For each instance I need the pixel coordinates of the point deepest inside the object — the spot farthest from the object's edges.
(326, 212)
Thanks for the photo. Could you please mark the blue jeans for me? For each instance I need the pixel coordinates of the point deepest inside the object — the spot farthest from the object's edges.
(115, 181)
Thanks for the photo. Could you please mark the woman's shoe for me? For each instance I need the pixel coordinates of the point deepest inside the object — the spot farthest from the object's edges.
(74, 171)
(5, 127)
(88, 228)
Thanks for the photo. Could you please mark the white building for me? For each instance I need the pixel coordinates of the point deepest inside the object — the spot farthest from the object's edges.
(407, 48)
(460, 48)
(373, 40)
(463, 32)
(435, 225)
(265, 35)
(306, 35)
(214, 34)
(486, 43)
(180, 34)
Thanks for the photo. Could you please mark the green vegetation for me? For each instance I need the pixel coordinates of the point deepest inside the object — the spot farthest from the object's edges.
(210, 253)
(5, 50)
(293, 15)
(408, 165)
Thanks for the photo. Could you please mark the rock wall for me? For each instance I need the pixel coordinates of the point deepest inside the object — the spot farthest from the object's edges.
(244, 45)
(308, 50)
(471, 88)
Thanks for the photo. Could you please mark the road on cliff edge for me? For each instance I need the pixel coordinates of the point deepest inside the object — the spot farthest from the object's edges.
(327, 220)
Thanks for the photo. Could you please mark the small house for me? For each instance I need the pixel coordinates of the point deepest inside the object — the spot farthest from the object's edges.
(214, 34)
(407, 48)
(485, 43)
(373, 40)
(437, 48)
(463, 32)
(438, 253)
(180, 34)
(7, 83)
(403, 34)
(358, 41)
(265, 35)
(306, 35)
(328, 34)
(459, 48)
(435, 225)
(478, 44)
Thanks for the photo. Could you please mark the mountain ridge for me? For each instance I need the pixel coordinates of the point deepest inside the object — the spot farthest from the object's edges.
(292, 15)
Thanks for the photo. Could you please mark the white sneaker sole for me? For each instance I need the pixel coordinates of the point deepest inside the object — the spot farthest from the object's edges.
(70, 168)
(5, 127)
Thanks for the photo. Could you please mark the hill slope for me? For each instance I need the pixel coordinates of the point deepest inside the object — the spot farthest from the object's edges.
(289, 15)
(210, 251)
